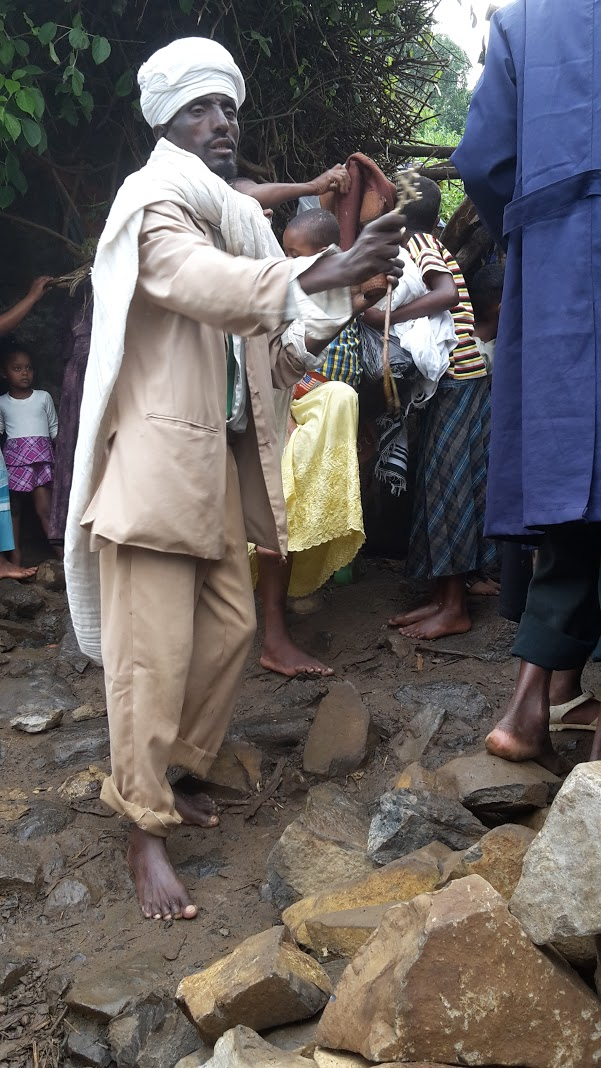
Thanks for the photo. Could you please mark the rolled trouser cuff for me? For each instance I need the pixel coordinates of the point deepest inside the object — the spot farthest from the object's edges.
(157, 823)
(195, 760)
(539, 644)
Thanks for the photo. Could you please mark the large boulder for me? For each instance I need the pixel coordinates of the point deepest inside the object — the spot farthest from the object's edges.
(559, 893)
(406, 821)
(400, 880)
(451, 977)
(264, 982)
(325, 846)
(485, 783)
(243, 1048)
(339, 738)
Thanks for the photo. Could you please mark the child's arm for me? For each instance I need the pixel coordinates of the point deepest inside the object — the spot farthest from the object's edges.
(273, 194)
(443, 296)
(11, 319)
(51, 416)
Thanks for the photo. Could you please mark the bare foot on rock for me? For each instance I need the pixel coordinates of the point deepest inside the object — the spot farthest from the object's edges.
(161, 894)
(484, 588)
(196, 809)
(511, 745)
(287, 658)
(8, 570)
(441, 624)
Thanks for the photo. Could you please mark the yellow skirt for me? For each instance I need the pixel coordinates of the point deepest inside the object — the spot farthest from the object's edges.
(320, 473)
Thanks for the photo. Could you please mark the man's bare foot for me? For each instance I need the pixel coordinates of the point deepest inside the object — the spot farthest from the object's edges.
(405, 619)
(288, 659)
(161, 894)
(8, 570)
(196, 809)
(439, 625)
(509, 743)
(484, 588)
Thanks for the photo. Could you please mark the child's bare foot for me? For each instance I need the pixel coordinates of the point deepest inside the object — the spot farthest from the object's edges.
(10, 570)
(284, 656)
(196, 809)
(405, 619)
(161, 894)
(484, 588)
(439, 625)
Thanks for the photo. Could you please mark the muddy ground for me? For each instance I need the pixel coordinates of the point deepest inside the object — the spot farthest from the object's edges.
(225, 867)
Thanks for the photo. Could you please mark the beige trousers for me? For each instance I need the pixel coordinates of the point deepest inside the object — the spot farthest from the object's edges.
(176, 632)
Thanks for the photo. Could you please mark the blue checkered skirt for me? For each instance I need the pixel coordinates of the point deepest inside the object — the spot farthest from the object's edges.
(447, 534)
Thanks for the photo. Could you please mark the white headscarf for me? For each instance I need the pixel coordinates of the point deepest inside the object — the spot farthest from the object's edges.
(183, 71)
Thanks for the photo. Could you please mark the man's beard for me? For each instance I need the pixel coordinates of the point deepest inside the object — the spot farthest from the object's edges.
(227, 170)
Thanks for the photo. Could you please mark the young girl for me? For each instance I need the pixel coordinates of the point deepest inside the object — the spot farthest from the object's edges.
(28, 418)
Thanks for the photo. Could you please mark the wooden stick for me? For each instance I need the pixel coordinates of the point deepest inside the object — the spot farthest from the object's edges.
(390, 391)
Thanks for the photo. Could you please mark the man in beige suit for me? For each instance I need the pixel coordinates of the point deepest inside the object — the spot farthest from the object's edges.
(177, 462)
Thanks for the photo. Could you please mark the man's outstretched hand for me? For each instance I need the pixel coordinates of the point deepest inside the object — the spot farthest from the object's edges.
(337, 179)
(376, 251)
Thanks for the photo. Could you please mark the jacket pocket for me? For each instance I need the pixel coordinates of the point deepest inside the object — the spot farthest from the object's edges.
(185, 424)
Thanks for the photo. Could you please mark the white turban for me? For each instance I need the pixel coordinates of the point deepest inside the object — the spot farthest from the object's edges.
(183, 71)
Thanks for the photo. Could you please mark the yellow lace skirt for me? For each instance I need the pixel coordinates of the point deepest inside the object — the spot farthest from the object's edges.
(320, 473)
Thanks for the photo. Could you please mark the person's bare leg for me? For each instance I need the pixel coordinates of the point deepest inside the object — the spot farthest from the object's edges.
(161, 894)
(415, 615)
(42, 501)
(523, 732)
(452, 616)
(16, 506)
(565, 686)
(279, 652)
(10, 570)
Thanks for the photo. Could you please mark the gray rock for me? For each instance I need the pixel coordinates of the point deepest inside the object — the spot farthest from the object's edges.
(37, 692)
(458, 698)
(45, 818)
(80, 744)
(559, 893)
(7, 641)
(153, 1035)
(339, 737)
(69, 653)
(24, 601)
(104, 993)
(406, 821)
(11, 970)
(87, 1043)
(70, 894)
(295, 1037)
(242, 1048)
(411, 743)
(485, 783)
(197, 1059)
(275, 731)
(326, 845)
(51, 575)
(19, 866)
(37, 722)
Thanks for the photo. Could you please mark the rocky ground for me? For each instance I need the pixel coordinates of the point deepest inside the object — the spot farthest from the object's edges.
(339, 799)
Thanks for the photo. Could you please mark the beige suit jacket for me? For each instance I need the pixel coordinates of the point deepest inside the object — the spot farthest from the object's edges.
(163, 481)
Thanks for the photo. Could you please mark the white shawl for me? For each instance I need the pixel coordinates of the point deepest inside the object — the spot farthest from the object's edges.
(179, 177)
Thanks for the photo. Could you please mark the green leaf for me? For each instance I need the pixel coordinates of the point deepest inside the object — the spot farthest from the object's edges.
(68, 111)
(78, 38)
(43, 145)
(7, 195)
(28, 21)
(77, 82)
(53, 55)
(7, 51)
(101, 49)
(86, 103)
(11, 125)
(47, 32)
(31, 132)
(384, 6)
(186, 6)
(21, 48)
(263, 42)
(39, 104)
(11, 86)
(25, 101)
(124, 83)
(15, 174)
(32, 70)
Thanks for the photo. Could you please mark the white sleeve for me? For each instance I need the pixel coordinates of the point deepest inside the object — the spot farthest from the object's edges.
(51, 416)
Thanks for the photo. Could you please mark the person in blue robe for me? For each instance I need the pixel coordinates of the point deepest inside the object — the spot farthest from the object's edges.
(531, 162)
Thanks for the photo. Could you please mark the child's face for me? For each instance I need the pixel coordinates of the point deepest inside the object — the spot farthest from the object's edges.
(18, 371)
(298, 244)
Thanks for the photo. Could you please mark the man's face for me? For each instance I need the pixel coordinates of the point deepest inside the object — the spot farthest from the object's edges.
(208, 127)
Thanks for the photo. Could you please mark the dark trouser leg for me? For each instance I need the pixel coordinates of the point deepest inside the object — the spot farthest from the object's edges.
(561, 624)
(516, 573)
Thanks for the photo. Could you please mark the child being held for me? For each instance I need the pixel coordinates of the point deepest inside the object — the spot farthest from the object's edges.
(29, 420)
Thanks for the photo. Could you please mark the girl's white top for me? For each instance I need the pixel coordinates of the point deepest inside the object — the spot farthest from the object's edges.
(32, 417)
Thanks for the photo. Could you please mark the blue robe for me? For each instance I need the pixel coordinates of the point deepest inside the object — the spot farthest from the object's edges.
(531, 162)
